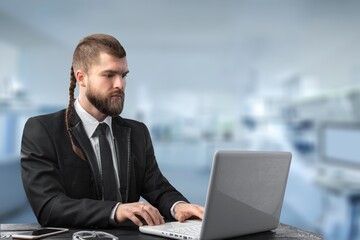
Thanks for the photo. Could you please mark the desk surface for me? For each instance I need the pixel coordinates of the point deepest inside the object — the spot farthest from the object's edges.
(282, 232)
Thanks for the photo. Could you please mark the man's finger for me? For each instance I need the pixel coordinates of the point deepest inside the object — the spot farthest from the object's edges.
(189, 210)
(136, 212)
(135, 220)
(151, 215)
(149, 219)
(199, 212)
(155, 214)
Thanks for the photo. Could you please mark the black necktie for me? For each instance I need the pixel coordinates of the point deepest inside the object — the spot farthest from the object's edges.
(107, 166)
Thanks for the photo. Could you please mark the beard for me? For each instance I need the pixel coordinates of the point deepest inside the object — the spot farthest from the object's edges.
(105, 104)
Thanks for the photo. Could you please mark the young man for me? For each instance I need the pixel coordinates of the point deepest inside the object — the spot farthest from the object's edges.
(86, 166)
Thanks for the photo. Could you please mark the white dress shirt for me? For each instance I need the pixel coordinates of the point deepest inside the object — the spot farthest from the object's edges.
(90, 124)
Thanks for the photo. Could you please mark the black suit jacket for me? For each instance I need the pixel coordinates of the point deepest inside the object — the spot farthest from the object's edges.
(64, 190)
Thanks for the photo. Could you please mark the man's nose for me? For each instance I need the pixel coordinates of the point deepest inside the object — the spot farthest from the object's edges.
(120, 82)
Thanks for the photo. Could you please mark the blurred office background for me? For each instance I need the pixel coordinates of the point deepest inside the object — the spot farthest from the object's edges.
(205, 75)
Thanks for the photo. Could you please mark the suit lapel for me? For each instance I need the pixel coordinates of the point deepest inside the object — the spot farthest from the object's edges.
(78, 131)
(123, 151)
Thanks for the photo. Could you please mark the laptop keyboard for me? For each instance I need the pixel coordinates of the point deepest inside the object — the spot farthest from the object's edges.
(188, 230)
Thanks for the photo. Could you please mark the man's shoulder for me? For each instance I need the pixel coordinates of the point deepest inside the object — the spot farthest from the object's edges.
(50, 118)
(126, 122)
(60, 113)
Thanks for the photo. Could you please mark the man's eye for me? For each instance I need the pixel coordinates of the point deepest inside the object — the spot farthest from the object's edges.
(109, 75)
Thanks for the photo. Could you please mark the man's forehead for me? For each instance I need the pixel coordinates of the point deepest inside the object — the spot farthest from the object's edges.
(105, 55)
(108, 60)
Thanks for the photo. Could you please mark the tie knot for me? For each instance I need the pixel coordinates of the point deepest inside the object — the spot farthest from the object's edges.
(101, 128)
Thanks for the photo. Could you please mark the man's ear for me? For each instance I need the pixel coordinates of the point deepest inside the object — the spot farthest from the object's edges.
(80, 78)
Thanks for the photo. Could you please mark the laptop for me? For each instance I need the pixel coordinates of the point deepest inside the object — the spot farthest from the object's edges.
(245, 196)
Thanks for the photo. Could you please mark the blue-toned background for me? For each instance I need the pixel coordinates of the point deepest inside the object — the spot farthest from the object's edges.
(205, 75)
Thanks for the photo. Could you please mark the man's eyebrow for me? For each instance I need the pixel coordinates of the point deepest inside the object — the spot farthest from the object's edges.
(115, 72)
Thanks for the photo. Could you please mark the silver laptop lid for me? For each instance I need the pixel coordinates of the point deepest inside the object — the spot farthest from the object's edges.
(245, 194)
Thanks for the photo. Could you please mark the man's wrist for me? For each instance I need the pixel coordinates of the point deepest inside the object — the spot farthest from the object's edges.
(112, 215)
(172, 209)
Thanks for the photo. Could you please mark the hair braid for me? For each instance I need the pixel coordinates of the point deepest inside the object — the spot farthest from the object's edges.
(72, 86)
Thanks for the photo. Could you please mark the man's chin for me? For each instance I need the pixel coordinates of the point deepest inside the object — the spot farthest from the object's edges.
(114, 112)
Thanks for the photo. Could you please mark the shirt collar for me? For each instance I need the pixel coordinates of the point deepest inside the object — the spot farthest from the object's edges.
(90, 123)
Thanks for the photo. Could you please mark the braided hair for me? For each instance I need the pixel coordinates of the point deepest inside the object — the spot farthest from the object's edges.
(86, 53)
(72, 86)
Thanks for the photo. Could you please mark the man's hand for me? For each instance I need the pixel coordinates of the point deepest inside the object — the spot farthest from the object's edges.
(137, 211)
(185, 211)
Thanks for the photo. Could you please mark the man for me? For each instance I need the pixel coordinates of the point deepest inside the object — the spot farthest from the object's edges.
(86, 166)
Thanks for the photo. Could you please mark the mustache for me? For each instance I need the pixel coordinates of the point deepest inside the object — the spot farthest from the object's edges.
(118, 92)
